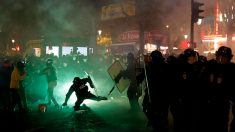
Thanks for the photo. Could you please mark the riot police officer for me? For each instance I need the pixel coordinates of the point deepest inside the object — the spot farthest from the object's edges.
(219, 80)
(156, 100)
(190, 73)
(130, 74)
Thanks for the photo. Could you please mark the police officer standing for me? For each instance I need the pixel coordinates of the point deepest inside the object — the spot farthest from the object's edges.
(156, 101)
(219, 73)
(190, 73)
(130, 73)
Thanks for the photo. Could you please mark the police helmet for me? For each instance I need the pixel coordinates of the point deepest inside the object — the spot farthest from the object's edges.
(156, 55)
(202, 58)
(224, 51)
(171, 59)
(189, 52)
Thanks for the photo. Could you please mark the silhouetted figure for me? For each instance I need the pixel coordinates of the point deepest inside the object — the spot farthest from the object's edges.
(51, 77)
(5, 79)
(16, 77)
(174, 92)
(232, 125)
(22, 88)
(219, 80)
(190, 84)
(130, 73)
(81, 89)
(156, 100)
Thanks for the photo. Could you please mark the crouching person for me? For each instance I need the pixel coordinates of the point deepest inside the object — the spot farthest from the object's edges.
(82, 93)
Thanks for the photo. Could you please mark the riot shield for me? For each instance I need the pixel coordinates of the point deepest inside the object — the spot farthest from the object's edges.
(113, 71)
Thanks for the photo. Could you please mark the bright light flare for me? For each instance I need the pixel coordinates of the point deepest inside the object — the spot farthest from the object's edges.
(199, 22)
(221, 17)
(99, 32)
(216, 45)
(185, 36)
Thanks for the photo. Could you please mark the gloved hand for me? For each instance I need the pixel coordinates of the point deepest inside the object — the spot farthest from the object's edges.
(64, 104)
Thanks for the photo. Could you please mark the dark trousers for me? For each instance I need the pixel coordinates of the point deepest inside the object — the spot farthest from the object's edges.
(50, 92)
(157, 113)
(176, 110)
(232, 125)
(218, 115)
(15, 99)
(133, 100)
(5, 99)
(192, 114)
(23, 97)
(82, 96)
(160, 115)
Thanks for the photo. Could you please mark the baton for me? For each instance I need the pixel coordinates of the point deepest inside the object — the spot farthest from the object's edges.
(146, 78)
(92, 83)
(111, 90)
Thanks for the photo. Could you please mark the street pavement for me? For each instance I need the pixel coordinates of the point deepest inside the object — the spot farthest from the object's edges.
(111, 115)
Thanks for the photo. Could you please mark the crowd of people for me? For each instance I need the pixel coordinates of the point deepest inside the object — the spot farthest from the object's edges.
(197, 91)
(28, 80)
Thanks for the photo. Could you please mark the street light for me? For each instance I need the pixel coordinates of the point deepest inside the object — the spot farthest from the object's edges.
(13, 44)
(185, 36)
(99, 32)
(104, 39)
(199, 22)
(99, 37)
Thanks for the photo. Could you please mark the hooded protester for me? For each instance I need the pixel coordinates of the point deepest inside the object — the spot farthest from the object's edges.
(81, 90)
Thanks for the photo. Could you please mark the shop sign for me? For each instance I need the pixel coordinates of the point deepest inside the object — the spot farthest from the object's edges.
(150, 37)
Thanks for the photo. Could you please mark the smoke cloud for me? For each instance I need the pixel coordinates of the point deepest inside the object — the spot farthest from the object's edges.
(27, 18)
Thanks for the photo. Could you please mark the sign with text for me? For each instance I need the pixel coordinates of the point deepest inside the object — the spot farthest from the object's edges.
(149, 37)
(118, 10)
